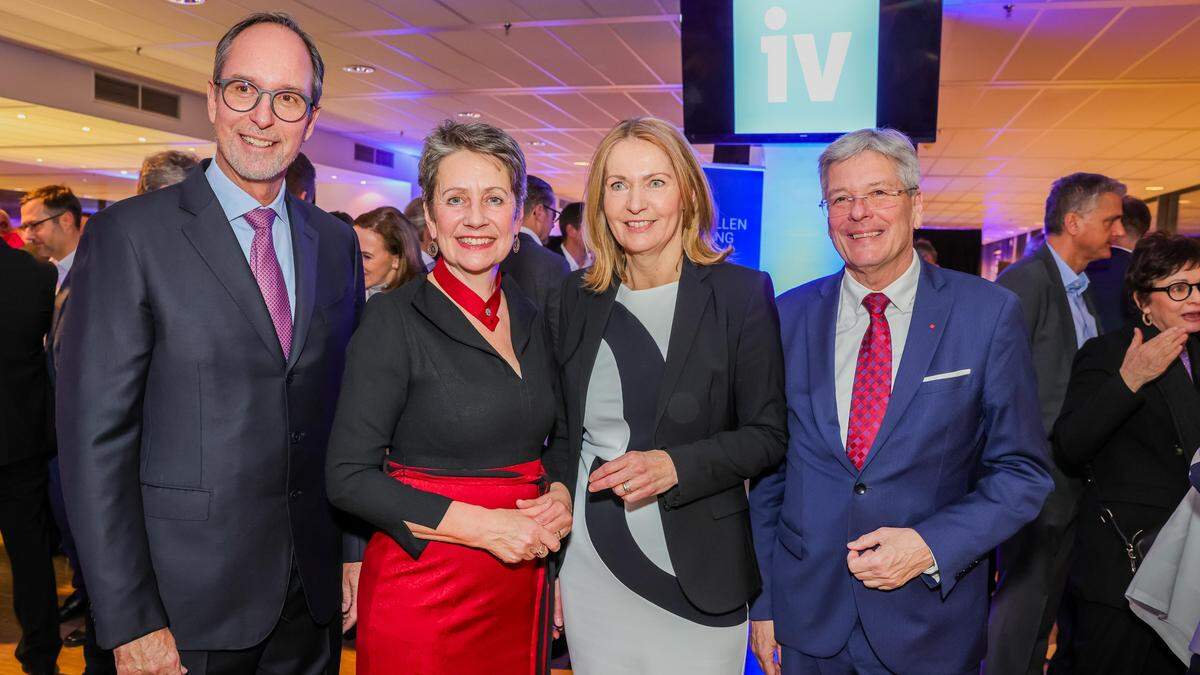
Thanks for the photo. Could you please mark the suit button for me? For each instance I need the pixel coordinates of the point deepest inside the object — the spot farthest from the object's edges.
(860, 488)
(297, 436)
(296, 494)
(291, 377)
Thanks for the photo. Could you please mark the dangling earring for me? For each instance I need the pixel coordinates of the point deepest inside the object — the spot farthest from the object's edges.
(433, 248)
(1146, 319)
(516, 244)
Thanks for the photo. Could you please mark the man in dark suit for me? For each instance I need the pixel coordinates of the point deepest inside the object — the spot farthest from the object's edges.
(538, 271)
(1107, 275)
(913, 448)
(25, 521)
(1083, 212)
(199, 367)
(572, 245)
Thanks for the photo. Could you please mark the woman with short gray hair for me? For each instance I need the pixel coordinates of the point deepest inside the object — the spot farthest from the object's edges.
(450, 388)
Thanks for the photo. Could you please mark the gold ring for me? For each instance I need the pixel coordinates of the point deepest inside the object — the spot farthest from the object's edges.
(558, 533)
(541, 552)
(625, 486)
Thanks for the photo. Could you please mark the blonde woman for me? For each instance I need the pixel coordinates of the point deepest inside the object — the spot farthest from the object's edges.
(672, 378)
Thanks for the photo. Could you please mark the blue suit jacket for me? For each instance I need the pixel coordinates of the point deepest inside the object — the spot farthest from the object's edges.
(961, 459)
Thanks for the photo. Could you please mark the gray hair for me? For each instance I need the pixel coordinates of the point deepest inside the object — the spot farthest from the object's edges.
(1077, 193)
(279, 19)
(165, 168)
(477, 137)
(887, 142)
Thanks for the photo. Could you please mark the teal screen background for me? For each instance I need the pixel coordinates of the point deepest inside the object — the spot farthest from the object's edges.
(854, 105)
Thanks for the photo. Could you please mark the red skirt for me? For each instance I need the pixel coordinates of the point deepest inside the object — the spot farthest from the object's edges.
(455, 609)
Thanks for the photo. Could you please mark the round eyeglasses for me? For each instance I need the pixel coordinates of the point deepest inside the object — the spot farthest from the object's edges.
(875, 200)
(1178, 291)
(288, 105)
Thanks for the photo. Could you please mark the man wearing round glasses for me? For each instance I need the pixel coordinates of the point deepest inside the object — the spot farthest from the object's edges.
(199, 370)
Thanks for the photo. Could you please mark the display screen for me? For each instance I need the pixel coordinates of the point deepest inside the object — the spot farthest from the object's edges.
(762, 71)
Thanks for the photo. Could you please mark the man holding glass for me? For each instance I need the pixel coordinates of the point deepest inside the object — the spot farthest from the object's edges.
(199, 366)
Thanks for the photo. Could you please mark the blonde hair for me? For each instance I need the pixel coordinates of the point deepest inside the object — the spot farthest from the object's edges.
(699, 214)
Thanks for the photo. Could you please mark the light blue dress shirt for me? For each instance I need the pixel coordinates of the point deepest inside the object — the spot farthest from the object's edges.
(236, 203)
(1075, 285)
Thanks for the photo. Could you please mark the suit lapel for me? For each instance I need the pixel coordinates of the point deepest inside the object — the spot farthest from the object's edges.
(691, 301)
(305, 244)
(821, 327)
(931, 308)
(210, 233)
(1058, 297)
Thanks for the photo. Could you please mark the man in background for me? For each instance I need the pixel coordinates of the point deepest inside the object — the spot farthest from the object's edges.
(536, 270)
(26, 524)
(415, 212)
(1108, 275)
(925, 249)
(1083, 213)
(301, 179)
(572, 245)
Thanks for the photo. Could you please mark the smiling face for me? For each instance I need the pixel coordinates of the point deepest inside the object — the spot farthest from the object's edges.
(876, 244)
(1167, 313)
(256, 146)
(474, 216)
(642, 200)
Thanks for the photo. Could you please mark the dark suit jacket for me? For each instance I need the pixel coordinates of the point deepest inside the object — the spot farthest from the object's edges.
(959, 457)
(26, 301)
(539, 272)
(1106, 280)
(193, 454)
(1138, 445)
(720, 416)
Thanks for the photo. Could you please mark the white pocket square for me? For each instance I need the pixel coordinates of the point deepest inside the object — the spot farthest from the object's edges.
(947, 376)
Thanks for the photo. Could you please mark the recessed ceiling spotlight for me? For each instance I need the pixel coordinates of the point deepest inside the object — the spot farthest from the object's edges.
(362, 182)
(580, 163)
(470, 114)
(21, 116)
(191, 149)
(359, 69)
(1185, 201)
(537, 144)
(333, 177)
(124, 172)
(85, 129)
(1154, 188)
(186, 3)
(39, 160)
(141, 139)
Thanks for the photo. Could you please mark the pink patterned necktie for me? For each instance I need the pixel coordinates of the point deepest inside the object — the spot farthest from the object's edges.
(872, 382)
(265, 266)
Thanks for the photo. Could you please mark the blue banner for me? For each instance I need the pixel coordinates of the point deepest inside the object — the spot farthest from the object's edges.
(738, 192)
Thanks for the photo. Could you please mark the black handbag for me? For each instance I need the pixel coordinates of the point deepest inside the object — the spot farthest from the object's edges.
(1136, 545)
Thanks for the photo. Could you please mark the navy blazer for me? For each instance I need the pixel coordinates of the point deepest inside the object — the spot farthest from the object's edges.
(193, 452)
(961, 459)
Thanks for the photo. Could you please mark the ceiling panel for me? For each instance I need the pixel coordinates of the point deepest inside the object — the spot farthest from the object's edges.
(1055, 38)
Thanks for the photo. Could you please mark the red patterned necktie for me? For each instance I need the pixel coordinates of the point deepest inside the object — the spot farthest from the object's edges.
(872, 382)
(265, 266)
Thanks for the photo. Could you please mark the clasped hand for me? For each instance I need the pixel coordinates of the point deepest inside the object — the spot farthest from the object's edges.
(888, 558)
(635, 475)
(532, 530)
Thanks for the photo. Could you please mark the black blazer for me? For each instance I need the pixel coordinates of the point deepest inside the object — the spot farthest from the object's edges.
(721, 416)
(26, 301)
(1106, 280)
(539, 272)
(1138, 446)
(193, 453)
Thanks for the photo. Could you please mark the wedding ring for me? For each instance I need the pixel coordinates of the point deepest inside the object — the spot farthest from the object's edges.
(540, 552)
(558, 533)
(625, 487)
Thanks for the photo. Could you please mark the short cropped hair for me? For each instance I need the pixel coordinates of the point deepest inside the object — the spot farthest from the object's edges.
(1076, 193)
(1156, 257)
(301, 177)
(279, 19)
(698, 218)
(478, 137)
(165, 168)
(1135, 216)
(888, 142)
(537, 191)
(57, 198)
(572, 216)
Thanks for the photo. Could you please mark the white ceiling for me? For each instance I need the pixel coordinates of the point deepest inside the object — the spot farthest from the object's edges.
(1059, 86)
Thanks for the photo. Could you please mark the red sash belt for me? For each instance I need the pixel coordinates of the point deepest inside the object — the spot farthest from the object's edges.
(455, 609)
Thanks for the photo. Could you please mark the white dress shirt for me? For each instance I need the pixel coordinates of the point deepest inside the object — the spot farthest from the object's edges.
(587, 259)
(64, 268)
(532, 234)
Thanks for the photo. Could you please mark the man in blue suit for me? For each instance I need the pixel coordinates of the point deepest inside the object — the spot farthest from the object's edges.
(915, 443)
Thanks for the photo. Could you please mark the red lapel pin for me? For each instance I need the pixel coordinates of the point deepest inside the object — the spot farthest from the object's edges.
(931, 326)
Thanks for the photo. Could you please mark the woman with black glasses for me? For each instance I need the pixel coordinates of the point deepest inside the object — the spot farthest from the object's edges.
(1131, 424)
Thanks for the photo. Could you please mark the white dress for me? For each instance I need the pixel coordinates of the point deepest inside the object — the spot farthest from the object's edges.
(613, 629)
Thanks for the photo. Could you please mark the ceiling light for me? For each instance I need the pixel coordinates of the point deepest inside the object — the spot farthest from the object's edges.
(580, 163)
(359, 69)
(21, 116)
(85, 129)
(186, 3)
(537, 144)
(1185, 201)
(191, 149)
(333, 177)
(124, 172)
(362, 182)
(470, 114)
(141, 139)
(1154, 188)
(39, 159)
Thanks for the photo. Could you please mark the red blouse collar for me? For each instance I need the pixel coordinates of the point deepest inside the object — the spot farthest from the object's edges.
(486, 312)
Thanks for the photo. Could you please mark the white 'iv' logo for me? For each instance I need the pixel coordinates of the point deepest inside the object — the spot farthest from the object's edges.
(822, 83)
